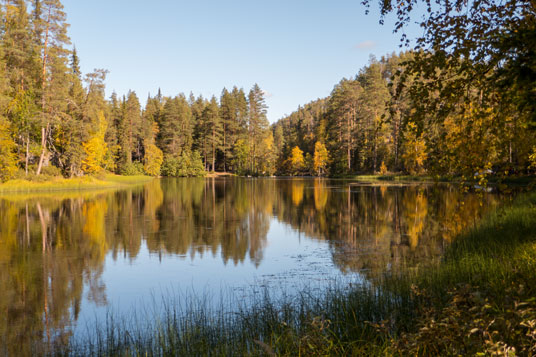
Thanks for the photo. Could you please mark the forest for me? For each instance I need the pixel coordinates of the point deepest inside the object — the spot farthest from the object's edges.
(56, 121)
(376, 123)
(457, 109)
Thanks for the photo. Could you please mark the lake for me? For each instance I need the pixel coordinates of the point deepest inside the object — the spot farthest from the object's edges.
(68, 258)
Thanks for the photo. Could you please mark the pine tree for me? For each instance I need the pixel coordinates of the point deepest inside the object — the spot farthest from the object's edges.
(130, 130)
(73, 129)
(257, 124)
(176, 126)
(343, 134)
(230, 125)
(212, 133)
(372, 109)
(51, 34)
(20, 56)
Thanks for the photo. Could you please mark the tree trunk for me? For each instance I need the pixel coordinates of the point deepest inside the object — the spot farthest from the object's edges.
(44, 131)
(349, 143)
(27, 154)
(224, 150)
(374, 147)
(213, 148)
(43, 149)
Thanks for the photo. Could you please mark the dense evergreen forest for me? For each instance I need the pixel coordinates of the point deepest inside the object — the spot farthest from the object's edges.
(442, 111)
(56, 121)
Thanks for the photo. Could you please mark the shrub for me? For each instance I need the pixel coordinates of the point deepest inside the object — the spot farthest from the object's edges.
(185, 165)
(132, 169)
(51, 171)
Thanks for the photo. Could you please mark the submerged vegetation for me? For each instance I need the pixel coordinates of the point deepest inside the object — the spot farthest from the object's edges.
(478, 299)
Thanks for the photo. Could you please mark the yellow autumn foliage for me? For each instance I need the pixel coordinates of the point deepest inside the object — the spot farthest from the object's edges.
(154, 157)
(414, 148)
(8, 158)
(96, 148)
(153, 160)
(296, 160)
(321, 159)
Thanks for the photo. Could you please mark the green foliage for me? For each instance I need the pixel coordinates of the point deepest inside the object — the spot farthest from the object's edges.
(389, 114)
(241, 156)
(51, 171)
(186, 165)
(459, 102)
(134, 168)
(176, 124)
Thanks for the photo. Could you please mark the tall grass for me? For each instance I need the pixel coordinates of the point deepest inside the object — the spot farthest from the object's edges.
(480, 298)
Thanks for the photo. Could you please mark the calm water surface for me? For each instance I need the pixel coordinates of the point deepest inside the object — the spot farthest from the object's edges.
(68, 258)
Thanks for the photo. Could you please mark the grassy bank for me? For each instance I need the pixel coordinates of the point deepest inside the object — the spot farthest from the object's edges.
(77, 183)
(393, 177)
(510, 180)
(480, 298)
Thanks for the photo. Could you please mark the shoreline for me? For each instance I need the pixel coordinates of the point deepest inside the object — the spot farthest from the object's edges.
(72, 184)
(117, 181)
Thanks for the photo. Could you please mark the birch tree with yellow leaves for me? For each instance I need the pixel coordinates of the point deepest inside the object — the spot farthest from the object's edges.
(96, 148)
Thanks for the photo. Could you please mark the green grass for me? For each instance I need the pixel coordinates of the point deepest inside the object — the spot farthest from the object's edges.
(510, 180)
(78, 183)
(480, 298)
(397, 178)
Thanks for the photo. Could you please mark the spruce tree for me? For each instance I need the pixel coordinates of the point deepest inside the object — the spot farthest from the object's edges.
(257, 124)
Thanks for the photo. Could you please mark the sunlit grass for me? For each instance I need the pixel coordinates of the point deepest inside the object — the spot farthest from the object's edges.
(77, 183)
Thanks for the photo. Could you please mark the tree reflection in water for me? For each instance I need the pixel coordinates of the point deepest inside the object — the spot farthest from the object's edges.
(54, 245)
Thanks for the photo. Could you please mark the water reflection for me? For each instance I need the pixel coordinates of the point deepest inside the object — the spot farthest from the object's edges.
(52, 247)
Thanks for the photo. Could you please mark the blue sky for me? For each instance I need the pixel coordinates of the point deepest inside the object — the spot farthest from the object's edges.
(296, 50)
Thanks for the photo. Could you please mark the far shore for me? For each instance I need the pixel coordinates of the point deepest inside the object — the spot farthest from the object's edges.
(109, 180)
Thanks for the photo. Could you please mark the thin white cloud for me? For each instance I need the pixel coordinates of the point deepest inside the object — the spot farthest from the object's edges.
(267, 94)
(365, 45)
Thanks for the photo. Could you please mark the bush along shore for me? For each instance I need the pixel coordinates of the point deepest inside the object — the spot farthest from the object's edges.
(45, 183)
(479, 298)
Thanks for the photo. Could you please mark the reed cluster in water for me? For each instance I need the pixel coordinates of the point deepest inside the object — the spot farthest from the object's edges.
(479, 298)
